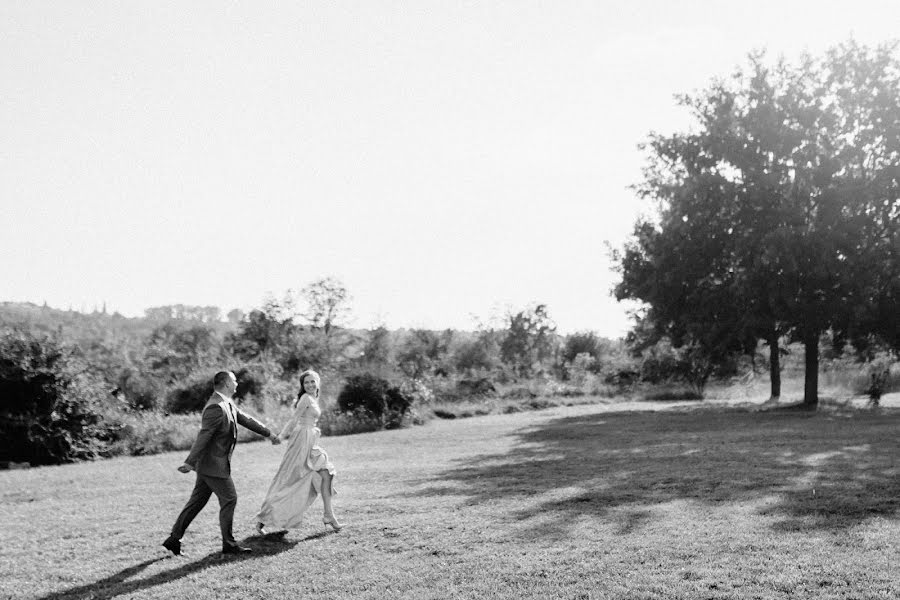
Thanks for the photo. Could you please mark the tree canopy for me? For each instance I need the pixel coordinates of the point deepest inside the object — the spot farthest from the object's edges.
(779, 213)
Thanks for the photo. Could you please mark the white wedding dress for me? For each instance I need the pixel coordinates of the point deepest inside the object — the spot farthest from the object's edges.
(297, 482)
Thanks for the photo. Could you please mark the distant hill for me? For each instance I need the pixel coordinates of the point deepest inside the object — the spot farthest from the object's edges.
(80, 326)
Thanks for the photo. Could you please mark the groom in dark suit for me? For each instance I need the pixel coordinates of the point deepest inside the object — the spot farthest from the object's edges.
(210, 457)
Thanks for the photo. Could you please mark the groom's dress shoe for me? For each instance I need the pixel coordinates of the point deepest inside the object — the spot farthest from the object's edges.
(235, 550)
(173, 546)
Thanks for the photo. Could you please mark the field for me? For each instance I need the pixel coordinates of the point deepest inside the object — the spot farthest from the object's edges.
(609, 500)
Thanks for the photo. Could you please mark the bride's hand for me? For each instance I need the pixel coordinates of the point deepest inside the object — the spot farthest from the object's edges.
(276, 440)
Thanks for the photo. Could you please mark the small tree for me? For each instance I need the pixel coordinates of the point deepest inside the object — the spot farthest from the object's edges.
(587, 343)
(327, 301)
(689, 359)
(266, 333)
(424, 352)
(529, 340)
(378, 349)
(480, 353)
(326, 311)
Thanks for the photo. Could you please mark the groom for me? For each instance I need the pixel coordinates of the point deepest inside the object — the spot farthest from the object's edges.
(210, 457)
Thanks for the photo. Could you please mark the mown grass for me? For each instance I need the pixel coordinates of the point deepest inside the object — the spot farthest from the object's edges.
(638, 500)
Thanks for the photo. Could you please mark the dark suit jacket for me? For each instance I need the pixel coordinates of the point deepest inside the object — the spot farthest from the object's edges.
(211, 452)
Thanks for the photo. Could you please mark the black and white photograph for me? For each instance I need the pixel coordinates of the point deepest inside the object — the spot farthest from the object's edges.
(450, 300)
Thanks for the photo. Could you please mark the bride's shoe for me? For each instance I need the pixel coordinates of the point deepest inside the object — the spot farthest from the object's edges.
(261, 529)
(333, 522)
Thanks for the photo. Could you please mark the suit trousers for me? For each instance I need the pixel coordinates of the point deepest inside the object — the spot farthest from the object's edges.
(223, 488)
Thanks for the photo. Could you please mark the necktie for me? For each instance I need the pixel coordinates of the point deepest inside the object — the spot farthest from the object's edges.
(233, 427)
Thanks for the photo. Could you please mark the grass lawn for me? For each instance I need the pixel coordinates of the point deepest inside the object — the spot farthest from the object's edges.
(639, 500)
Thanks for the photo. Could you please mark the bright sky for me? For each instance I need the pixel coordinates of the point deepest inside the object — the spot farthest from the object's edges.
(446, 160)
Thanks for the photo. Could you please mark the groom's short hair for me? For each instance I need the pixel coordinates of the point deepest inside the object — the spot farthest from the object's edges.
(221, 378)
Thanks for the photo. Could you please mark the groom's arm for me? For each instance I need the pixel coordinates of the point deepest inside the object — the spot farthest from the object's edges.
(213, 417)
(252, 424)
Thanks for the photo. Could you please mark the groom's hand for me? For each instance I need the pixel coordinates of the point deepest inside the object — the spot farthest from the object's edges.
(185, 468)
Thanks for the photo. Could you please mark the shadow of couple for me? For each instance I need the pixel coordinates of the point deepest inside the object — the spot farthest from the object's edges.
(122, 583)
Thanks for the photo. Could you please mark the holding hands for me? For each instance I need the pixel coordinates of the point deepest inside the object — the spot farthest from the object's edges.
(275, 440)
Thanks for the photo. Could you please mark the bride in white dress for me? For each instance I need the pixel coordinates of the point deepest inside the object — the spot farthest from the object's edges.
(305, 470)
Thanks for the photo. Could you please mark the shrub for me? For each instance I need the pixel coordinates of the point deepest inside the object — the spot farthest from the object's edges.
(879, 376)
(692, 364)
(479, 354)
(544, 387)
(425, 352)
(673, 394)
(251, 382)
(141, 391)
(51, 402)
(376, 397)
(444, 414)
(476, 387)
(622, 377)
(138, 433)
(416, 392)
(151, 432)
(191, 395)
(519, 392)
(583, 343)
(336, 422)
(581, 367)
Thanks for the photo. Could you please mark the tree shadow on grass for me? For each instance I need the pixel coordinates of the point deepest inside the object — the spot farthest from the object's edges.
(120, 584)
(820, 470)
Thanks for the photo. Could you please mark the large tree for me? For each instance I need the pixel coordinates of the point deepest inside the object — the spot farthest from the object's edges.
(777, 214)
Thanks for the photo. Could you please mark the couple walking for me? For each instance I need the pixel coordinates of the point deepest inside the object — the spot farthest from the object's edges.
(305, 470)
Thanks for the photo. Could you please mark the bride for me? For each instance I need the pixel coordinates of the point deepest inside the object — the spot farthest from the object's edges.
(305, 470)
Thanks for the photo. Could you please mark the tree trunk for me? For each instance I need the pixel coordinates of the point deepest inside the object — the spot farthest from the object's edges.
(774, 364)
(811, 379)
